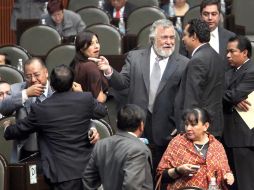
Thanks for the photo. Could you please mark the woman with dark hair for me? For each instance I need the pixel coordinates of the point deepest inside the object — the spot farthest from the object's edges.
(194, 157)
(86, 71)
(66, 22)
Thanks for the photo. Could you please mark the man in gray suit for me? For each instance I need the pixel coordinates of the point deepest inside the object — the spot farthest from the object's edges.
(122, 161)
(36, 88)
(202, 83)
(138, 75)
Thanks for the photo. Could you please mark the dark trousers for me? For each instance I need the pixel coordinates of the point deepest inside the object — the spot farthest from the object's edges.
(244, 167)
(75, 184)
(157, 151)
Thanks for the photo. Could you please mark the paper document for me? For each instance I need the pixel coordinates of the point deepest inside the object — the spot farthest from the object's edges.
(248, 117)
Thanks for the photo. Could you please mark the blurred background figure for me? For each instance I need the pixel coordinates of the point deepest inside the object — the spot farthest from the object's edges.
(4, 59)
(119, 8)
(195, 157)
(86, 71)
(5, 89)
(26, 9)
(180, 8)
(66, 22)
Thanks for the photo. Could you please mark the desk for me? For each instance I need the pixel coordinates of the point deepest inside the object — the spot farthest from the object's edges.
(20, 176)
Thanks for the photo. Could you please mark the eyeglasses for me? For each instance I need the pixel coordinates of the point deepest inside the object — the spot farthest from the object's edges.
(30, 76)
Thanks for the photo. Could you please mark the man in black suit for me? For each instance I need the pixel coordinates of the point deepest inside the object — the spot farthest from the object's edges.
(62, 122)
(210, 11)
(138, 75)
(238, 136)
(119, 8)
(202, 83)
(122, 161)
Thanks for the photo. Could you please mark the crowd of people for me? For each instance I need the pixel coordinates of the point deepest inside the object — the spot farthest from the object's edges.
(187, 105)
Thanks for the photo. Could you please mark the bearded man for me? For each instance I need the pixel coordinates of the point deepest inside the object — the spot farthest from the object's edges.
(152, 76)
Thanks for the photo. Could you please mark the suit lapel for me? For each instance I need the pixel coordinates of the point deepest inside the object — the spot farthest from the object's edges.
(169, 70)
(235, 74)
(145, 67)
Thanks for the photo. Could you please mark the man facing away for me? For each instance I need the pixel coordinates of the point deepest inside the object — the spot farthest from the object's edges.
(122, 161)
(202, 83)
(62, 122)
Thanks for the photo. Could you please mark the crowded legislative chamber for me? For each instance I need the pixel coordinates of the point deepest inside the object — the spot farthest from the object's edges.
(26, 31)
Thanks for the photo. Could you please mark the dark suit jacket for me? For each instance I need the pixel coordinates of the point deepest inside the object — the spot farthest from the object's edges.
(62, 123)
(238, 85)
(202, 86)
(119, 162)
(129, 7)
(224, 36)
(13, 104)
(135, 75)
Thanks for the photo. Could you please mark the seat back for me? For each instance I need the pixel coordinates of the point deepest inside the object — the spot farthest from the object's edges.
(103, 128)
(6, 146)
(14, 53)
(143, 38)
(4, 176)
(252, 56)
(194, 3)
(38, 40)
(10, 74)
(94, 15)
(141, 17)
(193, 12)
(62, 54)
(75, 5)
(143, 3)
(109, 37)
(243, 11)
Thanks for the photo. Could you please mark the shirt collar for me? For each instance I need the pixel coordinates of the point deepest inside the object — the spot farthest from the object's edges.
(194, 51)
(215, 32)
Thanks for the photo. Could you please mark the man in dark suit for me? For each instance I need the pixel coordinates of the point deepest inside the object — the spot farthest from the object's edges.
(62, 122)
(22, 95)
(210, 11)
(238, 136)
(138, 75)
(119, 8)
(122, 161)
(203, 80)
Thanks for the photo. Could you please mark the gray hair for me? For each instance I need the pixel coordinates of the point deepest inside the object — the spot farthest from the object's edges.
(165, 23)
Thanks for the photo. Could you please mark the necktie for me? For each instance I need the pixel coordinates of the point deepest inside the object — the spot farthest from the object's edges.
(40, 99)
(154, 83)
(118, 14)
